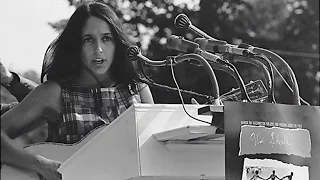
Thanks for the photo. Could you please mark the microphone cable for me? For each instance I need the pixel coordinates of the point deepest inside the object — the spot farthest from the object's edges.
(273, 56)
(244, 94)
(268, 63)
(146, 79)
(229, 68)
(237, 58)
(242, 59)
(287, 84)
(182, 101)
(134, 52)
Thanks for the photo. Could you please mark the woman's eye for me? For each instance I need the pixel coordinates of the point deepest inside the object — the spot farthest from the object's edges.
(87, 39)
(107, 38)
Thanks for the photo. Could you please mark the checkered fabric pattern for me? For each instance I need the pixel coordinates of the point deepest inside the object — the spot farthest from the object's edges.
(85, 109)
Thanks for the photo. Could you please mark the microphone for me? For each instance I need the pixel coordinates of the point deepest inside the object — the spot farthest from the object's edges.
(182, 21)
(222, 47)
(134, 53)
(180, 44)
(212, 45)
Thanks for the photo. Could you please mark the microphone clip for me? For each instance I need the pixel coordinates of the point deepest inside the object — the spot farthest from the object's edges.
(171, 60)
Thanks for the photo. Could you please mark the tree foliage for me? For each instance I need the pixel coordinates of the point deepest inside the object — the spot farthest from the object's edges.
(285, 26)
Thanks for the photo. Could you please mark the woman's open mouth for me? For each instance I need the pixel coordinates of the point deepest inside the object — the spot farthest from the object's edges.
(98, 61)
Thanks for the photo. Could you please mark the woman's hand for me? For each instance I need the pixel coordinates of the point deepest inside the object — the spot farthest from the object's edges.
(5, 74)
(47, 168)
(194, 101)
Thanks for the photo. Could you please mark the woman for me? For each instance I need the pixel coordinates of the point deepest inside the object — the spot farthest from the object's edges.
(90, 83)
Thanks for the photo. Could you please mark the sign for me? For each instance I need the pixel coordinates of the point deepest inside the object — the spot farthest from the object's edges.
(264, 137)
(260, 139)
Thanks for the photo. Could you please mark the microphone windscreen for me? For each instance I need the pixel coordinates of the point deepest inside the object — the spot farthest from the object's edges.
(132, 52)
(182, 21)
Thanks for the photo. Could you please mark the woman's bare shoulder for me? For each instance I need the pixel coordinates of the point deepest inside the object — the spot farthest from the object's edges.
(49, 88)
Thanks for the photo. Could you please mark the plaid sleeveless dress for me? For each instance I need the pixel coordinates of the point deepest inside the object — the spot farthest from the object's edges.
(84, 109)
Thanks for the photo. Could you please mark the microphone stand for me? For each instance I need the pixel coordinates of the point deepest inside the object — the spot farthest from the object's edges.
(183, 22)
(208, 68)
(224, 65)
(267, 62)
(237, 58)
(239, 80)
(209, 99)
(231, 69)
(283, 63)
(149, 81)
(178, 59)
(134, 53)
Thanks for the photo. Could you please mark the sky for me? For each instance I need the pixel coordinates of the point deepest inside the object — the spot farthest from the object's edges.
(25, 33)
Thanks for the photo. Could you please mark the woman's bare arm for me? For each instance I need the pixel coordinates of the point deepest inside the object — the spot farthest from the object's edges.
(44, 101)
(45, 98)
(145, 93)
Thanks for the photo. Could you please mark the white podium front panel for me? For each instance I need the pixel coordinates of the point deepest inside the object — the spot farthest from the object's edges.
(156, 159)
(112, 154)
(127, 148)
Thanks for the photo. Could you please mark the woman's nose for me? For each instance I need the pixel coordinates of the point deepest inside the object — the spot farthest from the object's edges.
(98, 48)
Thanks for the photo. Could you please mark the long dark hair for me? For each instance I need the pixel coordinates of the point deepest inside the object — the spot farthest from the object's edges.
(62, 59)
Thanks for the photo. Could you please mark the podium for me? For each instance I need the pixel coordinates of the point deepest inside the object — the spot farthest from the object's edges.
(161, 142)
(157, 141)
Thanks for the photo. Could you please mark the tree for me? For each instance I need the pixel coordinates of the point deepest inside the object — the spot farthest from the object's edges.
(286, 26)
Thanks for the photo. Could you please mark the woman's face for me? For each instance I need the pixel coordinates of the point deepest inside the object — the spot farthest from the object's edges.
(98, 45)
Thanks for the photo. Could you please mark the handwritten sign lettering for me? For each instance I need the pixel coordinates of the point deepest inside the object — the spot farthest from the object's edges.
(263, 140)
